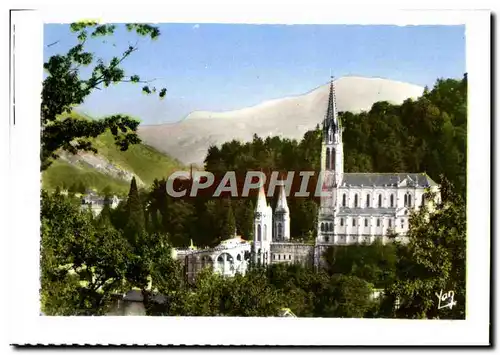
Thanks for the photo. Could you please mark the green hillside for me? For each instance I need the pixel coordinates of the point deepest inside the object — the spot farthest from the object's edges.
(141, 160)
(64, 174)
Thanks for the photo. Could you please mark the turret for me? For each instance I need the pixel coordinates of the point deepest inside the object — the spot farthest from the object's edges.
(282, 216)
(263, 222)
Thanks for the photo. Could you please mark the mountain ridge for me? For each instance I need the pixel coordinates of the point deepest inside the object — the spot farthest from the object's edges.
(188, 140)
(218, 112)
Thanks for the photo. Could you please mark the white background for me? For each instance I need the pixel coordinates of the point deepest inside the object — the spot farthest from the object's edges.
(19, 253)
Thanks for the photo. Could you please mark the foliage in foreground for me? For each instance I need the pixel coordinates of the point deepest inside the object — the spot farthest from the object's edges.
(84, 260)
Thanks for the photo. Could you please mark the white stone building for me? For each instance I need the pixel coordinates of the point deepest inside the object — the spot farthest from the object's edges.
(96, 203)
(362, 207)
(231, 256)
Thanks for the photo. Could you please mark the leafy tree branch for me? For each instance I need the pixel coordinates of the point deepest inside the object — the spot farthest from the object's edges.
(64, 88)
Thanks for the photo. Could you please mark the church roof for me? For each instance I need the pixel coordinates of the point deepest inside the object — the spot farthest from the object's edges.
(235, 240)
(387, 179)
(368, 211)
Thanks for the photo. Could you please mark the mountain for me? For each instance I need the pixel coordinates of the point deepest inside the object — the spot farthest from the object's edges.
(189, 139)
(110, 167)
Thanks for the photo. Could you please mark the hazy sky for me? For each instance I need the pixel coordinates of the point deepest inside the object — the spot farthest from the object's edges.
(220, 67)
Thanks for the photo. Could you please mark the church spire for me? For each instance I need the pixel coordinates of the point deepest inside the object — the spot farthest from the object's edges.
(261, 200)
(282, 205)
(331, 112)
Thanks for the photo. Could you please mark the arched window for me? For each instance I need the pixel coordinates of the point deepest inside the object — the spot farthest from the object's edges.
(344, 200)
(406, 200)
(354, 222)
(392, 200)
(332, 159)
(238, 257)
(341, 222)
(409, 200)
(331, 227)
(380, 200)
(220, 259)
(390, 223)
(423, 200)
(280, 231)
(322, 227)
(368, 200)
(327, 158)
(378, 222)
(366, 222)
(265, 231)
(259, 233)
(356, 200)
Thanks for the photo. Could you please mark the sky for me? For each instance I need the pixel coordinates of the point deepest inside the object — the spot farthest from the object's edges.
(220, 67)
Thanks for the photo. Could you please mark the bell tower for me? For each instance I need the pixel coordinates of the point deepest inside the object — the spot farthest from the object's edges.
(332, 169)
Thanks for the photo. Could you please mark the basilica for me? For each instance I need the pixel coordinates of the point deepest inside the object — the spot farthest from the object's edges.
(360, 207)
(354, 208)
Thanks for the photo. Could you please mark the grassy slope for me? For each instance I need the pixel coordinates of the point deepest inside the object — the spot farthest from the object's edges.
(64, 174)
(144, 161)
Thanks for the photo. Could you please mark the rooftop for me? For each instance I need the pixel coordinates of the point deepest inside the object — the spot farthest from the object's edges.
(387, 179)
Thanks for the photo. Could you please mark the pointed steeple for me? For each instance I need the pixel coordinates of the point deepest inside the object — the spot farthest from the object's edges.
(281, 205)
(331, 112)
(261, 200)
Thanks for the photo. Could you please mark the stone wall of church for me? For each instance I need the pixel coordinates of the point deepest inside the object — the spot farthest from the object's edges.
(292, 253)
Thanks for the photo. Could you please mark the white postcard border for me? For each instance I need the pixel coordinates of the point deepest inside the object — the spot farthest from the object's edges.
(24, 222)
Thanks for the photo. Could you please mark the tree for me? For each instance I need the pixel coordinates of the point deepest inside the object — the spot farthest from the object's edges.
(180, 220)
(345, 296)
(81, 188)
(228, 225)
(240, 296)
(245, 221)
(433, 261)
(374, 263)
(81, 264)
(107, 192)
(300, 284)
(64, 88)
(250, 296)
(135, 215)
(73, 188)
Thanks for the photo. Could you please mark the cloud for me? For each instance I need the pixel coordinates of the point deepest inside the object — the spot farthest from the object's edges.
(195, 27)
